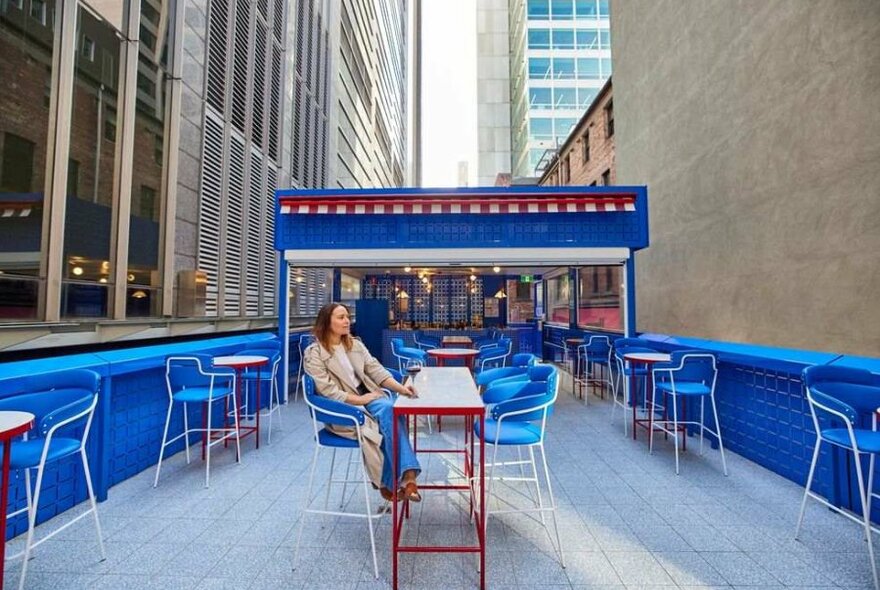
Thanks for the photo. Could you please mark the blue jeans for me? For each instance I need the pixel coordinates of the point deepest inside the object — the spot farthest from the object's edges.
(382, 410)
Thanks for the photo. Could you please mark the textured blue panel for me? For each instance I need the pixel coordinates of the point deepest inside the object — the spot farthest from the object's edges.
(337, 231)
(522, 340)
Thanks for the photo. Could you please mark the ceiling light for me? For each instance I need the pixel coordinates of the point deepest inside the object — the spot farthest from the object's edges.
(407, 268)
(496, 269)
(403, 295)
(425, 280)
(473, 277)
(500, 294)
(77, 270)
(138, 294)
(102, 280)
(130, 277)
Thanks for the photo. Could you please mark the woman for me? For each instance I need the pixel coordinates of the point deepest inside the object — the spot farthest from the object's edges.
(344, 370)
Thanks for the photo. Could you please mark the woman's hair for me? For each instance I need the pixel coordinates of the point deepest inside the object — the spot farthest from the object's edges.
(322, 329)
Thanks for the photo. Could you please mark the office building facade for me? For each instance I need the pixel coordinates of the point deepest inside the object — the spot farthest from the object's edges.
(559, 57)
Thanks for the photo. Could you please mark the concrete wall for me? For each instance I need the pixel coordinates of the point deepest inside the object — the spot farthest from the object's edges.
(756, 126)
(493, 91)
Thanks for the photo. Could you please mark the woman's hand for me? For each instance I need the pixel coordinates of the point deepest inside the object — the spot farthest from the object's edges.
(372, 396)
(409, 390)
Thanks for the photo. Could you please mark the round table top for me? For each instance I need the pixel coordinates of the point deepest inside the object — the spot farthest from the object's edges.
(13, 423)
(648, 357)
(239, 361)
(453, 352)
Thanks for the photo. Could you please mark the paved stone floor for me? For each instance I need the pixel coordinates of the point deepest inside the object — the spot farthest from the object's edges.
(626, 521)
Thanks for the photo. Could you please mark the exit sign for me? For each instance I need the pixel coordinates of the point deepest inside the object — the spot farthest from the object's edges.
(526, 278)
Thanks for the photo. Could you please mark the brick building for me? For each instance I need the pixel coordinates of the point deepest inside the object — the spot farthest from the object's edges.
(587, 156)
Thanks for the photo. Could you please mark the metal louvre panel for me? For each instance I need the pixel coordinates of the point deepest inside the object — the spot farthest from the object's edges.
(296, 148)
(233, 233)
(240, 65)
(218, 22)
(255, 217)
(279, 20)
(275, 102)
(209, 207)
(268, 253)
(259, 85)
(263, 9)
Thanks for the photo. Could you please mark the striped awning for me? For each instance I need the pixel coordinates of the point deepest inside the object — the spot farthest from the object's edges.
(472, 205)
(6, 211)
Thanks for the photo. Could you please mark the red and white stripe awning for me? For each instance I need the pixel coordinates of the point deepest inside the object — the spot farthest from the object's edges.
(480, 205)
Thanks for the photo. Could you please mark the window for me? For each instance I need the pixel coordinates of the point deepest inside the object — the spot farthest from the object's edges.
(600, 304)
(586, 96)
(110, 124)
(564, 125)
(562, 9)
(38, 11)
(586, 139)
(539, 9)
(587, 39)
(603, 9)
(88, 48)
(558, 299)
(563, 68)
(565, 98)
(18, 4)
(539, 38)
(541, 128)
(147, 204)
(540, 98)
(588, 68)
(609, 119)
(563, 39)
(565, 170)
(585, 9)
(16, 164)
(158, 149)
(539, 68)
(72, 177)
(606, 177)
(606, 67)
(605, 39)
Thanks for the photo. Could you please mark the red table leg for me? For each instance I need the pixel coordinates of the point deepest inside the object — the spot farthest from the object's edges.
(4, 500)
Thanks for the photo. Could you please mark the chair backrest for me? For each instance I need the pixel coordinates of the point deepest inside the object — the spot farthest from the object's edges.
(597, 344)
(853, 397)
(305, 340)
(328, 411)
(56, 397)
(695, 366)
(396, 345)
(523, 359)
(192, 370)
(535, 401)
(272, 354)
(397, 375)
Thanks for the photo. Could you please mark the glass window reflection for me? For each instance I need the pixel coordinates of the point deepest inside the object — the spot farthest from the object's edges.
(539, 38)
(539, 9)
(26, 46)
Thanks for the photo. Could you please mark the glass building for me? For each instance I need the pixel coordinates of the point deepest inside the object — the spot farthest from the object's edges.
(559, 58)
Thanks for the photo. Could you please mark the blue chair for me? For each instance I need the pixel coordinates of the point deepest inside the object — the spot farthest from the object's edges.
(491, 357)
(426, 342)
(325, 411)
(490, 338)
(193, 379)
(596, 350)
(837, 396)
(520, 422)
(63, 405)
(625, 372)
(689, 374)
(519, 365)
(268, 376)
(403, 353)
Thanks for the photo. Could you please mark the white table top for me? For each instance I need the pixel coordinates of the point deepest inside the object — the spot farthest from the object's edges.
(240, 360)
(11, 420)
(648, 357)
(443, 387)
(453, 351)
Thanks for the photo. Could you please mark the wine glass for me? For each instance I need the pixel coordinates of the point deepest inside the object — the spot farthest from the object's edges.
(412, 368)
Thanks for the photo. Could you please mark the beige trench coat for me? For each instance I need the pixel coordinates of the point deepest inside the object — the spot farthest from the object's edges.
(331, 381)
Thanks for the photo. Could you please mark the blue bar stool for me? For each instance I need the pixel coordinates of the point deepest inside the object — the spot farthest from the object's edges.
(837, 395)
(63, 405)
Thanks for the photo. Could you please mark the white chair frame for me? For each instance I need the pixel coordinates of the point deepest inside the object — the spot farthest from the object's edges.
(274, 396)
(540, 507)
(663, 425)
(33, 503)
(865, 493)
(364, 479)
(581, 360)
(229, 432)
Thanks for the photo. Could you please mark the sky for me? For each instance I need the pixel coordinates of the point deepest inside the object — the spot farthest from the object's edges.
(449, 91)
